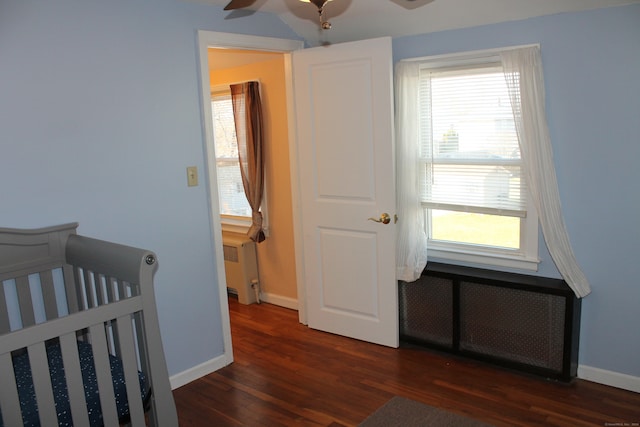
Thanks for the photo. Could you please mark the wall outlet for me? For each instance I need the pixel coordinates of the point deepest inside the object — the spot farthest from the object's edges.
(192, 176)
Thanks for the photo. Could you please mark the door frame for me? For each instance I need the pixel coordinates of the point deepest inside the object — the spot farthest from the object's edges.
(213, 39)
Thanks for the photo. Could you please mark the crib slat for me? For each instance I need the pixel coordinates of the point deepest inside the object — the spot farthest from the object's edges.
(89, 289)
(98, 284)
(49, 295)
(5, 326)
(122, 290)
(25, 302)
(130, 367)
(80, 292)
(72, 290)
(103, 375)
(42, 384)
(110, 285)
(138, 327)
(9, 402)
(73, 376)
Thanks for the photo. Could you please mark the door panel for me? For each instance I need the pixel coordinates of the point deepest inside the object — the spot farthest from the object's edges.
(357, 297)
(344, 108)
(341, 125)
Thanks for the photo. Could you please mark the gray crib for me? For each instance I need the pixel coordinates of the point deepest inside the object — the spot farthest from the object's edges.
(79, 338)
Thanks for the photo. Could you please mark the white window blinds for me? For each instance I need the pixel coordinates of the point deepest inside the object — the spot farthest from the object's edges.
(469, 143)
(230, 189)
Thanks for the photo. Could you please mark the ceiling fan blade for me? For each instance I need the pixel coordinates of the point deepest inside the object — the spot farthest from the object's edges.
(239, 4)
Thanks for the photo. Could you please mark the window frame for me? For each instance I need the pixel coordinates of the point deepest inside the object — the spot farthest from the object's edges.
(526, 257)
(236, 223)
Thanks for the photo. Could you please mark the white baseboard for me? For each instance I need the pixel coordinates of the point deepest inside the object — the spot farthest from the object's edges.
(199, 371)
(610, 378)
(281, 301)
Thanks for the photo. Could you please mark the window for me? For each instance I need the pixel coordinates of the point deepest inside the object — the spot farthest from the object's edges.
(472, 187)
(233, 201)
(235, 211)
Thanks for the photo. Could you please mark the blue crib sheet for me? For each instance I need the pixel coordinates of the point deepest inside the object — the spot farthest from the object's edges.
(27, 396)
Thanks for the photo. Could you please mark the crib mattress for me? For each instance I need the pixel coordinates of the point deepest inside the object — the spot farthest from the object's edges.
(27, 396)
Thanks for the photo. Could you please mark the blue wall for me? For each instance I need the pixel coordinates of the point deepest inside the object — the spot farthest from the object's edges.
(99, 118)
(592, 77)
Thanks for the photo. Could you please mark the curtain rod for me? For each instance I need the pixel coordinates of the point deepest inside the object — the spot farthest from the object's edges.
(471, 53)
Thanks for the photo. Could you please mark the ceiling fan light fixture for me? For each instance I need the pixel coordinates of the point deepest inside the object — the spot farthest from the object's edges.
(325, 25)
(319, 3)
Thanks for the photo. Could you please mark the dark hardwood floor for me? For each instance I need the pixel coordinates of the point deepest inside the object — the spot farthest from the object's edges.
(286, 374)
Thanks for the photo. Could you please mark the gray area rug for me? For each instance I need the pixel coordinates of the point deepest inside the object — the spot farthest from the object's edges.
(401, 412)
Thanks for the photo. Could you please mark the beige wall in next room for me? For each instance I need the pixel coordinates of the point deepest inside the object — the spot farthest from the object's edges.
(276, 257)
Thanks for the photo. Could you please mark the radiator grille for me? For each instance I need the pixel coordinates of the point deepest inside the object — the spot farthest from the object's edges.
(517, 321)
(512, 324)
(426, 310)
(230, 253)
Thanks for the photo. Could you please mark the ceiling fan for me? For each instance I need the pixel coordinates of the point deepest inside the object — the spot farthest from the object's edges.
(320, 4)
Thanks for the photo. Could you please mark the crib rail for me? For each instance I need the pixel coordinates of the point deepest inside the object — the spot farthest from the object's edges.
(80, 290)
(66, 329)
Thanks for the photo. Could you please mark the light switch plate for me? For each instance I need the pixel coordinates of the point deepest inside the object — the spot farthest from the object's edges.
(192, 176)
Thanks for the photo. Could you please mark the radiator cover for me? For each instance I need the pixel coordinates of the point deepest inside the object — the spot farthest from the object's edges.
(518, 321)
(241, 266)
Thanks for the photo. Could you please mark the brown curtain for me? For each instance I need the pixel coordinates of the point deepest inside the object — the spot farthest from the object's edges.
(247, 113)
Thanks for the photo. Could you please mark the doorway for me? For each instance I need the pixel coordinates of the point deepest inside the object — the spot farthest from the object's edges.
(258, 45)
(277, 280)
(357, 77)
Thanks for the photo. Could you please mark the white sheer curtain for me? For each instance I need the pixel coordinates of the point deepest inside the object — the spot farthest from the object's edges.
(411, 252)
(523, 73)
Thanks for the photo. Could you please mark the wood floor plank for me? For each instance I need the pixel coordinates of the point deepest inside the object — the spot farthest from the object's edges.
(286, 374)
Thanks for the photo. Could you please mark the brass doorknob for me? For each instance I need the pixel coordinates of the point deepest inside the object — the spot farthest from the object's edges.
(384, 218)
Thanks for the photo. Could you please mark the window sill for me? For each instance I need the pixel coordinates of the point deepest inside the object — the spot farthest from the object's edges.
(239, 225)
(485, 259)
(234, 227)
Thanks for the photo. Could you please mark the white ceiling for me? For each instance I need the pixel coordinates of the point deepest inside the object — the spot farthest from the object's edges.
(363, 19)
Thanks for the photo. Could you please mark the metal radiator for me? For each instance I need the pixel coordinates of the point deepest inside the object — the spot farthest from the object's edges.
(517, 321)
(241, 267)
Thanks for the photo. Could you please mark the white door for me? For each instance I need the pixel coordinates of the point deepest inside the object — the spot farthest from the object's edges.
(344, 112)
